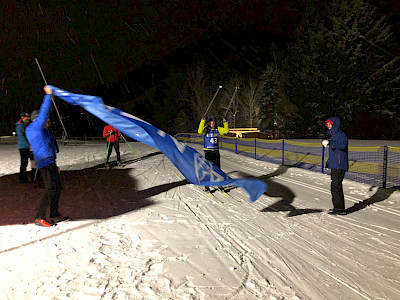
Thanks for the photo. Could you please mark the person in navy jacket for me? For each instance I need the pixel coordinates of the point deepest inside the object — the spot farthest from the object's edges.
(337, 162)
(23, 146)
(44, 148)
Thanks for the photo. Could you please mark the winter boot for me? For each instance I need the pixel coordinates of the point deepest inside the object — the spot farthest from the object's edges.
(42, 223)
(58, 219)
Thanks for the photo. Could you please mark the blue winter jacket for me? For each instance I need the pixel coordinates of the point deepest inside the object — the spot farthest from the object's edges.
(43, 144)
(338, 147)
(22, 140)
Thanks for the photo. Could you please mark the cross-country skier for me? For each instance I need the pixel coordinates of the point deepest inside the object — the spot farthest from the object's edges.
(113, 136)
(211, 134)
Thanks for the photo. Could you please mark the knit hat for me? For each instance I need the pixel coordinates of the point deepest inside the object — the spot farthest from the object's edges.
(23, 115)
(329, 122)
(34, 115)
(212, 118)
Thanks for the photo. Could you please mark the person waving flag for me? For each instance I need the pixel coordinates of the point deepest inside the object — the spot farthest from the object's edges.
(196, 169)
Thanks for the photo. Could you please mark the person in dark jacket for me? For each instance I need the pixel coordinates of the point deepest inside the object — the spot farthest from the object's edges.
(44, 148)
(23, 146)
(113, 136)
(337, 162)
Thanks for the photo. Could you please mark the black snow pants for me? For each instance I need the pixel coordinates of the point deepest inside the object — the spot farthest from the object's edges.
(52, 183)
(24, 154)
(110, 145)
(213, 156)
(337, 176)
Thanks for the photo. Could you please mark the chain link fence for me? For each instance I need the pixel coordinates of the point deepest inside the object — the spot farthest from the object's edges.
(378, 166)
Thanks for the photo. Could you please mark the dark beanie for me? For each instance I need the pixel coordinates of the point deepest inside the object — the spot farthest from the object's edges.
(23, 115)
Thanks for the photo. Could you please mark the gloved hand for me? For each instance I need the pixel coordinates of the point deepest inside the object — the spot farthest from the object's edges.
(325, 143)
(204, 118)
(224, 120)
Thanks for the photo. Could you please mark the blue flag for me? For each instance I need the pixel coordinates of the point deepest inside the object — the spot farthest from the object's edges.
(196, 169)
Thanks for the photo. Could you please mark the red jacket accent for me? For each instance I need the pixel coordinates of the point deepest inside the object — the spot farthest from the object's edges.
(114, 135)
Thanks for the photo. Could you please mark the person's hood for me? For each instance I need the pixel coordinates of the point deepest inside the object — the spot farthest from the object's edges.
(335, 125)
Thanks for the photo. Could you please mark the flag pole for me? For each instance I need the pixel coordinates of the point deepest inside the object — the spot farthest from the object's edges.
(65, 135)
(215, 95)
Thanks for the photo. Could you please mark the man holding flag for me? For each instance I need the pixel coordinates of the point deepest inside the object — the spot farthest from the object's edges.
(44, 148)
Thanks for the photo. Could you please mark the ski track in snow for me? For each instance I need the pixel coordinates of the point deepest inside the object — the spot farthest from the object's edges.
(188, 245)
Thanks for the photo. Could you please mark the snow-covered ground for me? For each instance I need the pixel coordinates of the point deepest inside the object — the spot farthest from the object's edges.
(143, 232)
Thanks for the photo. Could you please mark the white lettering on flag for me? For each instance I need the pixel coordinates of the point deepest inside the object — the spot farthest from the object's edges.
(130, 116)
(161, 133)
(181, 147)
(203, 168)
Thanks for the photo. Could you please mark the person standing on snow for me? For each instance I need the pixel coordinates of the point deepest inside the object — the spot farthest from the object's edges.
(35, 174)
(44, 148)
(211, 134)
(338, 162)
(112, 135)
(23, 146)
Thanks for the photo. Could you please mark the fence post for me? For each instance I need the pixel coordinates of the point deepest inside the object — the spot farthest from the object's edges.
(283, 152)
(236, 145)
(385, 162)
(323, 160)
(255, 148)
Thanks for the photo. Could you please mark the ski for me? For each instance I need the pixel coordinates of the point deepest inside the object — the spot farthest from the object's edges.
(119, 167)
(113, 166)
(228, 195)
(212, 196)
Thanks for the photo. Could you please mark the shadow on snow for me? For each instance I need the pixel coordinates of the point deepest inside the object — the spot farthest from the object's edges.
(380, 195)
(277, 190)
(88, 193)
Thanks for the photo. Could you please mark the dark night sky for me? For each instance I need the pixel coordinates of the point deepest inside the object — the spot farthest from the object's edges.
(86, 45)
(71, 41)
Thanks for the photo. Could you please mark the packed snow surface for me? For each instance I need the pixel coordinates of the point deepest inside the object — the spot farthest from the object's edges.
(143, 232)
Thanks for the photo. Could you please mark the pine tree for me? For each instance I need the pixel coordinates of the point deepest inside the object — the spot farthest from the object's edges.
(340, 64)
(269, 100)
(276, 111)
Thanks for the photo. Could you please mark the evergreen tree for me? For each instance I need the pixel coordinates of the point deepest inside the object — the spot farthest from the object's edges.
(269, 99)
(340, 64)
(277, 113)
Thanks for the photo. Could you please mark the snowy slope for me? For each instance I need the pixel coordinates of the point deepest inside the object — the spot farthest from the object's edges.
(142, 232)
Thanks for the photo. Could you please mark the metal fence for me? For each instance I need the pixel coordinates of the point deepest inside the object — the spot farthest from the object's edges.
(378, 166)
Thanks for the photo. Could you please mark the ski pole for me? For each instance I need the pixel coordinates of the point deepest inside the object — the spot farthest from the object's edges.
(108, 147)
(215, 95)
(130, 146)
(233, 96)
